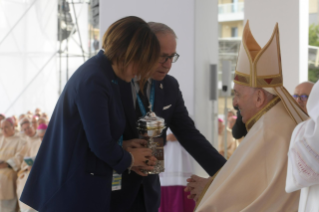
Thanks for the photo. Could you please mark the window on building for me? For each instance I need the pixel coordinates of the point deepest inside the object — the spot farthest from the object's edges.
(234, 32)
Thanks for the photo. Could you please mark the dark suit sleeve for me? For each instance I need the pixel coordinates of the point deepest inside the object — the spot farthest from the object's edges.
(191, 139)
(93, 100)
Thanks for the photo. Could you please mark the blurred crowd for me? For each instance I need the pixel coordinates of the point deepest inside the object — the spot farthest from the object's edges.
(20, 140)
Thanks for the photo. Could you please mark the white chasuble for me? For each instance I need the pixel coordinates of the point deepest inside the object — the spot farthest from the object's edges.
(12, 150)
(253, 179)
(33, 148)
(303, 157)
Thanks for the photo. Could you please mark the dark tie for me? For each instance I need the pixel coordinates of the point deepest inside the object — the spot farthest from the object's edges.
(144, 100)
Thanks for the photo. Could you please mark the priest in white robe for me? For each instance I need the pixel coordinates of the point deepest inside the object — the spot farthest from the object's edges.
(2, 116)
(12, 149)
(254, 177)
(34, 141)
(303, 157)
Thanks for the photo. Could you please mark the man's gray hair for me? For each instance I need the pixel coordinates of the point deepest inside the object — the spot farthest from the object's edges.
(161, 28)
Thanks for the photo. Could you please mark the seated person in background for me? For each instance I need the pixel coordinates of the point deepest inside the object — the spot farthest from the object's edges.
(220, 127)
(34, 141)
(231, 142)
(42, 128)
(254, 177)
(29, 114)
(34, 122)
(12, 150)
(37, 112)
(231, 112)
(303, 163)
(301, 94)
(178, 167)
(16, 123)
(42, 121)
(29, 131)
(21, 117)
(2, 116)
(45, 116)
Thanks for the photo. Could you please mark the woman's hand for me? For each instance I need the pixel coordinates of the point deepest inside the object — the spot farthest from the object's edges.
(139, 169)
(142, 157)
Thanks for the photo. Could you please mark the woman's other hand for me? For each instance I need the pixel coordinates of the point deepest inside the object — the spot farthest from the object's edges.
(142, 156)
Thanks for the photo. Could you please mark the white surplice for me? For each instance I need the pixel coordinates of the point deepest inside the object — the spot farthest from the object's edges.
(34, 144)
(12, 150)
(303, 157)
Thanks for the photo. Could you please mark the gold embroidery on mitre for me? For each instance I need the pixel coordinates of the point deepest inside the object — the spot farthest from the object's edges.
(241, 78)
(250, 123)
(269, 81)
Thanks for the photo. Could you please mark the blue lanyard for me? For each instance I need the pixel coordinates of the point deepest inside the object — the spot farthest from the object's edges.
(120, 142)
(152, 99)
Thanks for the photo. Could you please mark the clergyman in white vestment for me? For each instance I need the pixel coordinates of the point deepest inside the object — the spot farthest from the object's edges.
(303, 157)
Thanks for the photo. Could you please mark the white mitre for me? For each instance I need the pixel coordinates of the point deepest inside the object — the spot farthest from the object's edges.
(261, 68)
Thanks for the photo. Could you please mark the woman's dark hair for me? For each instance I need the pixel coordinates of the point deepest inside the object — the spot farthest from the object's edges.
(131, 41)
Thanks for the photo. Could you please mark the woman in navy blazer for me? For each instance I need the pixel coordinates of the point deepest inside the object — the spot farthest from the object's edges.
(74, 166)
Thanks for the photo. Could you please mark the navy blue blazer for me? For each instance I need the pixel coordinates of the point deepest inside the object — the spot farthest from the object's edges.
(73, 168)
(176, 117)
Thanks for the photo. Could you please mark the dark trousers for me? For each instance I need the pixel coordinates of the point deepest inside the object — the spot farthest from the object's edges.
(139, 203)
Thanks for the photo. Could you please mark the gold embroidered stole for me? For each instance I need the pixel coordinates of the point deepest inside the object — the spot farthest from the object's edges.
(250, 123)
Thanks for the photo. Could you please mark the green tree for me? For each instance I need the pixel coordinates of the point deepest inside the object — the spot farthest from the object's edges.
(313, 73)
(313, 35)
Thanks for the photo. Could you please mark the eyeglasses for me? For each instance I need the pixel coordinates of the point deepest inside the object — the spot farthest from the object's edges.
(173, 58)
(301, 97)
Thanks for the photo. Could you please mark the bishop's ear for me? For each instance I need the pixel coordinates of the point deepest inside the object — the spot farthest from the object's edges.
(260, 98)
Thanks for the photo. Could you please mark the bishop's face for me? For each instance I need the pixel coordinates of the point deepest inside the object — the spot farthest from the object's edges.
(244, 100)
(28, 129)
(168, 48)
(7, 128)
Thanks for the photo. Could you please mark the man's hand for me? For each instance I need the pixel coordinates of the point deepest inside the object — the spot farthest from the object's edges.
(196, 185)
(29, 168)
(171, 137)
(134, 143)
(3, 165)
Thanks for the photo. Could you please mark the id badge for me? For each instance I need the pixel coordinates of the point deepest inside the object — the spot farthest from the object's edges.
(116, 181)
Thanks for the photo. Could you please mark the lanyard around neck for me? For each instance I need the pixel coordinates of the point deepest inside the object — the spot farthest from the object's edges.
(120, 141)
(152, 99)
